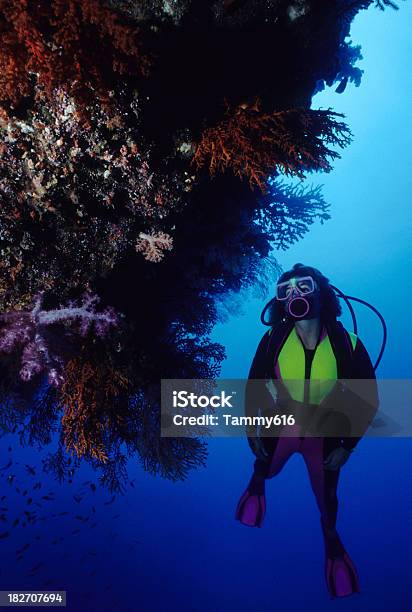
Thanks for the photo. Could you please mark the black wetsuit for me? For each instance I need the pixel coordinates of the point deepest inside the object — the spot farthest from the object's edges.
(351, 364)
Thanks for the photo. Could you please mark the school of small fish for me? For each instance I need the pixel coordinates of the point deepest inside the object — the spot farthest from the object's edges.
(33, 495)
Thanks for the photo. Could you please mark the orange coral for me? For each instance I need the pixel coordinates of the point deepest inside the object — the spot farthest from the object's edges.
(255, 145)
(77, 45)
(88, 397)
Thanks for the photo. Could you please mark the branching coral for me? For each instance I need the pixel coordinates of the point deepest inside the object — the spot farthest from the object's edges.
(346, 58)
(58, 463)
(287, 211)
(386, 3)
(88, 398)
(81, 46)
(254, 144)
(28, 331)
(153, 245)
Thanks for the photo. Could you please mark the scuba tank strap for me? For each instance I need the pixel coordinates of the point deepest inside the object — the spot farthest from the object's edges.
(342, 347)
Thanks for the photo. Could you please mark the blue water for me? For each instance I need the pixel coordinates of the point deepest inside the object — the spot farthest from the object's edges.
(176, 546)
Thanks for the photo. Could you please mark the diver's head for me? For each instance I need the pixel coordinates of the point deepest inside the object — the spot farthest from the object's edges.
(304, 293)
(300, 295)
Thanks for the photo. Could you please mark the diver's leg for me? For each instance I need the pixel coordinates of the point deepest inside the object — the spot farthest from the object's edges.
(285, 448)
(251, 507)
(324, 482)
(340, 571)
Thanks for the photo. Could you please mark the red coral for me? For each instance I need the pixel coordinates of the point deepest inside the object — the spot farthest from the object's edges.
(88, 397)
(255, 145)
(77, 45)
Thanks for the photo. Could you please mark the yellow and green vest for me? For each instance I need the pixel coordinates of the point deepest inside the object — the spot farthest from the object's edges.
(323, 373)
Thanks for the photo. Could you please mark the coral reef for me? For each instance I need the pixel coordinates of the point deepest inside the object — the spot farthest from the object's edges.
(55, 41)
(142, 146)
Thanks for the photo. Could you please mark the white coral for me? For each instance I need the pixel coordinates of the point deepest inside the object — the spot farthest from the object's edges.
(153, 245)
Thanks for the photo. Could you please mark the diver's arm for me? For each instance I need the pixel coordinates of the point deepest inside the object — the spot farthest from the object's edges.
(363, 370)
(257, 396)
(254, 393)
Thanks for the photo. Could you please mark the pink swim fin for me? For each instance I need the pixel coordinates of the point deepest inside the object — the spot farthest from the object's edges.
(251, 509)
(341, 576)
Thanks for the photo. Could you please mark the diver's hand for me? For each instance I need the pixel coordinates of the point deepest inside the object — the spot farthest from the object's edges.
(258, 449)
(337, 458)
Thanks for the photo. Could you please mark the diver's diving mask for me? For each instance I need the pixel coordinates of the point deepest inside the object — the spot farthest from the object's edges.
(293, 292)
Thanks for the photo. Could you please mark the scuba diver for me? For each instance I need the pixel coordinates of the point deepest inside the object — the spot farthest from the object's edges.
(306, 344)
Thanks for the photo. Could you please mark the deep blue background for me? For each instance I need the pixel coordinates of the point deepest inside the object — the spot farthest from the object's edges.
(177, 546)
